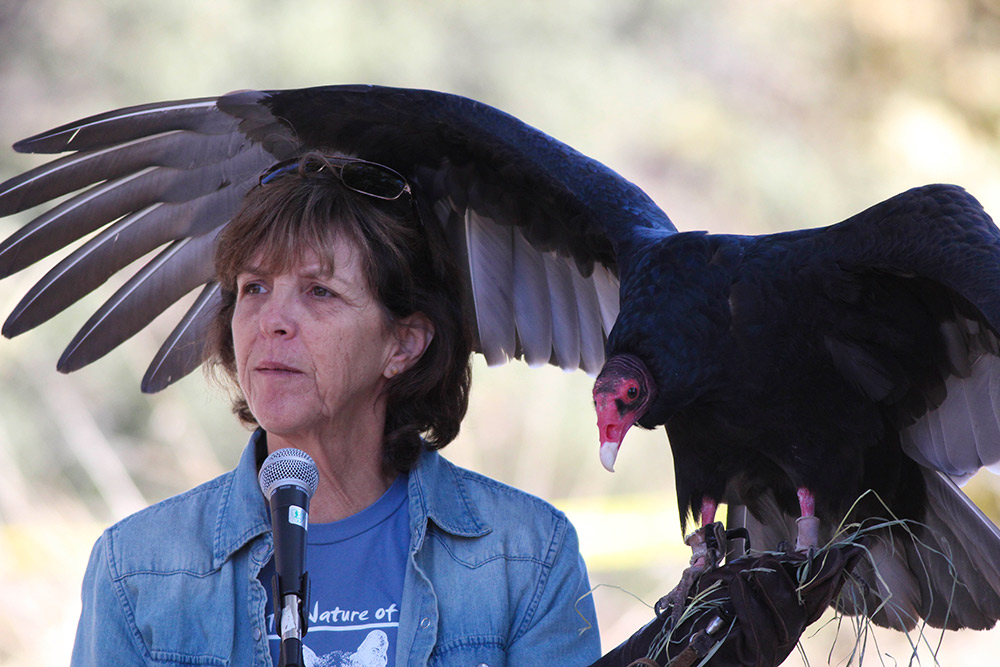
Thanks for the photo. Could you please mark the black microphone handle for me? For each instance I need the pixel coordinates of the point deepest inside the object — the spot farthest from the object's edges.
(289, 524)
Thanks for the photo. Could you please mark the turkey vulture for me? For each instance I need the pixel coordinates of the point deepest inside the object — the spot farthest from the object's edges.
(792, 371)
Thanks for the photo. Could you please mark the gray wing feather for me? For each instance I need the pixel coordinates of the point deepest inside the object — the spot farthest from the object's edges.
(114, 248)
(606, 285)
(182, 352)
(93, 208)
(124, 125)
(174, 272)
(180, 149)
(591, 330)
(565, 316)
(490, 257)
(962, 434)
(532, 303)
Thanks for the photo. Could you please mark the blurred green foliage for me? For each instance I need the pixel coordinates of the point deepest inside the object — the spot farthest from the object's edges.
(735, 116)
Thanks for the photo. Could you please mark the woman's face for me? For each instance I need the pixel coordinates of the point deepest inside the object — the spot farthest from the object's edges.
(312, 349)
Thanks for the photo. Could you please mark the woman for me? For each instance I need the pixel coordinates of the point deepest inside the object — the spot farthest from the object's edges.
(342, 328)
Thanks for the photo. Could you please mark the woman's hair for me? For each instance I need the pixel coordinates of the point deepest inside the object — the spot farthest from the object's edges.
(306, 209)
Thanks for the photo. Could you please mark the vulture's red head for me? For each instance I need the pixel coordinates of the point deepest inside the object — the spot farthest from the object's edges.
(622, 394)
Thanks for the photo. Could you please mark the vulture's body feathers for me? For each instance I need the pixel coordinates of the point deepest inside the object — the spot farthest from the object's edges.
(794, 372)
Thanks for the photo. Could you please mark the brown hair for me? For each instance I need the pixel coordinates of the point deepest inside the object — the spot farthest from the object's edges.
(409, 270)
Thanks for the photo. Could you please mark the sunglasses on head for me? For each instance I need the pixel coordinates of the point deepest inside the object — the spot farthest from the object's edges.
(361, 176)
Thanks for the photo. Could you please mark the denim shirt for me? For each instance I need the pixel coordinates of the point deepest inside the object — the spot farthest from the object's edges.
(494, 577)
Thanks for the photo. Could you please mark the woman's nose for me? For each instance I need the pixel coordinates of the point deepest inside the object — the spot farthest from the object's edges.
(278, 317)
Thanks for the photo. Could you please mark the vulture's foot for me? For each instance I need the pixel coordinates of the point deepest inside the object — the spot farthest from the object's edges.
(708, 548)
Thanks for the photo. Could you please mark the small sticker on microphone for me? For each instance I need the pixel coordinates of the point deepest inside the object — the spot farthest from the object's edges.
(298, 516)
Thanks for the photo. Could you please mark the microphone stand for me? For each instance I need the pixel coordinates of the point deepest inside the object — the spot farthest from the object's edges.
(292, 621)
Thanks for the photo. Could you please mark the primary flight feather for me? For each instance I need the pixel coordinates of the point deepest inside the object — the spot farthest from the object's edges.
(794, 373)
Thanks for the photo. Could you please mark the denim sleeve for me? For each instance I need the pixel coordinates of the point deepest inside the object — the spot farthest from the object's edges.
(104, 636)
(563, 629)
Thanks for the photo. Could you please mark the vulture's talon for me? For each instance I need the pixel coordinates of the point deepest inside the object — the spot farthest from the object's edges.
(708, 548)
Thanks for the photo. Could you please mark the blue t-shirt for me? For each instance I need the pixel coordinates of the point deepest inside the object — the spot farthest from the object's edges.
(356, 568)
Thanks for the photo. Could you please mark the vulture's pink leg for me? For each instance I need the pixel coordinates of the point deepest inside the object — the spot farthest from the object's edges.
(708, 507)
(807, 523)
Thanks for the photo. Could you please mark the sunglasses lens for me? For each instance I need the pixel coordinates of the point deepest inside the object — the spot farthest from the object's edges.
(372, 180)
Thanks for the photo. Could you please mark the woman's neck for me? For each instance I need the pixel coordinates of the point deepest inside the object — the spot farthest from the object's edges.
(351, 475)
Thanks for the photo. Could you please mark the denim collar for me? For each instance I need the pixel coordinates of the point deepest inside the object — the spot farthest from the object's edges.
(243, 511)
(437, 491)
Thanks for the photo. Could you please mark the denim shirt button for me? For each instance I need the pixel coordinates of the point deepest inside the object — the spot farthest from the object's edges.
(425, 623)
(257, 634)
(482, 664)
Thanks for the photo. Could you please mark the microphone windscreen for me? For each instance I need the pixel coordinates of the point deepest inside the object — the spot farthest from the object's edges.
(288, 466)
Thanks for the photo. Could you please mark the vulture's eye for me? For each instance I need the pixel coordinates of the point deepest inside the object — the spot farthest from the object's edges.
(632, 392)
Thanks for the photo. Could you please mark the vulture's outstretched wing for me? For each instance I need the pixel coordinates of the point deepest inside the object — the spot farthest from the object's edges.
(938, 242)
(533, 222)
(933, 248)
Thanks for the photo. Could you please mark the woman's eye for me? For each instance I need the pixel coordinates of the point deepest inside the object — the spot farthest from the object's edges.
(319, 290)
(251, 288)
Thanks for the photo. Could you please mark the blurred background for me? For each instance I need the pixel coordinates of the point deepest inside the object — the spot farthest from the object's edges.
(734, 116)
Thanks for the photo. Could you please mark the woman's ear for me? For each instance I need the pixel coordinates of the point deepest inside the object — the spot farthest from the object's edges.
(413, 334)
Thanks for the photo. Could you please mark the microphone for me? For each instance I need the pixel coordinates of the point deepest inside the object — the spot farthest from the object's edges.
(288, 479)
